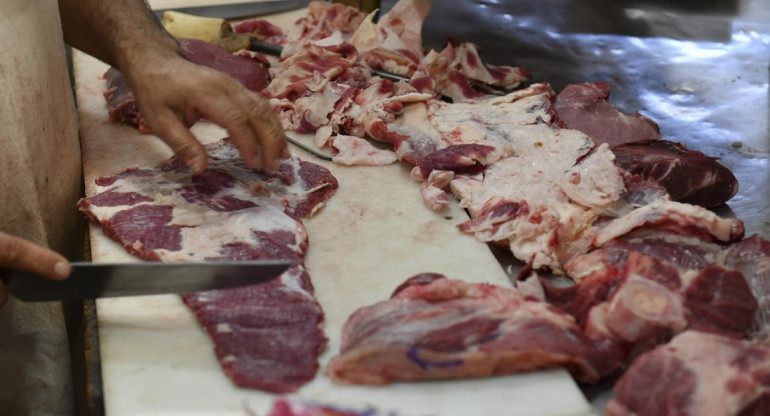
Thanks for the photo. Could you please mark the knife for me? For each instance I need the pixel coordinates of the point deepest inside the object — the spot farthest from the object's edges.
(240, 10)
(103, 280)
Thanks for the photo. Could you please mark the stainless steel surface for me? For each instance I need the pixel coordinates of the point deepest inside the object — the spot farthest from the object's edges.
(100, 280)
(240, 10)
(698, 68)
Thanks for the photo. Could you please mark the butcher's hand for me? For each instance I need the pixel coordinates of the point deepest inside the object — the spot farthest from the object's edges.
(173, 92)
(17, 253)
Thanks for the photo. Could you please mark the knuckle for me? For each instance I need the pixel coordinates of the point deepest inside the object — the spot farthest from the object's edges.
(11, 249)
(235, 117)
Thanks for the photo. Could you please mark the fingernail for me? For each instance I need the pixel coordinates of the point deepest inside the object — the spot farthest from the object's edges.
(194, 165)
(62, 269)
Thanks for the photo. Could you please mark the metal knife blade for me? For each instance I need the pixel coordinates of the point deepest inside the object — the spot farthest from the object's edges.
(240, 10)
(102, 280)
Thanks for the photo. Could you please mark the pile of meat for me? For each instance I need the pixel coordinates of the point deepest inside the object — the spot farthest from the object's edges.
(267, 336)
(622, 254)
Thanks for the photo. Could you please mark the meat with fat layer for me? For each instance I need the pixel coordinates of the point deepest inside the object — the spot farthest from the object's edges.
(696, 374)
(437, 328)
(266, 336)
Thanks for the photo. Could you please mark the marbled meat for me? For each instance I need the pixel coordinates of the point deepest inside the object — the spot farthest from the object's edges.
(266, 336)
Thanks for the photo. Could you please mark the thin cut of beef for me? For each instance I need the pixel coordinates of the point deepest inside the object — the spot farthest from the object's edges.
(285, 407)
(251, 72)
(688, 176)
(266, 336)
(350, 150)
(436, 328)
(585, 107)
(696, 374)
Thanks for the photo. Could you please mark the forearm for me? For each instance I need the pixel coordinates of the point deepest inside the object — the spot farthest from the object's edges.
(118, 32)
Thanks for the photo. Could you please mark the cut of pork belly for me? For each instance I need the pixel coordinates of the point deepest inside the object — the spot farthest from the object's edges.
(350, 150)
(688, 176)
(251, 72)
(230, 212)
(585, 107)
(436, 328)
(696, 374)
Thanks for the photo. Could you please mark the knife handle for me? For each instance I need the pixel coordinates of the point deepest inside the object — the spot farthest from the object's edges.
(257, 45)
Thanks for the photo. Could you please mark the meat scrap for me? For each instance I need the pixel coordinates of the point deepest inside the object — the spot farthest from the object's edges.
(266, 336)
(696, 374)
(350, 150)
(284, 407)
(436, 328)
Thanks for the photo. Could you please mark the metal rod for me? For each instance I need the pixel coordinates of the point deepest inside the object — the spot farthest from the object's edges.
(308, 149)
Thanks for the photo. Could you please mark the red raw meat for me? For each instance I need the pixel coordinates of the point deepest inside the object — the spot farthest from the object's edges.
(585, 107)
(436, 328)
(696, 374)
(266, 336)
(688, 176)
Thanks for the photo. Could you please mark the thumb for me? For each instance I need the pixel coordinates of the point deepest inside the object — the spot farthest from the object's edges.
(167, 125)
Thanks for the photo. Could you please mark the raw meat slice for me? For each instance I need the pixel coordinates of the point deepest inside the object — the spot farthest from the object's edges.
(261, 29)
(249, 71)
(266, 336)
(310, 69)
(327, 24)
(683, 218)
(585, 107)
(350, 150)
(688, 176)
(456, 70)
(230, 212)
(428, 126)
(696, 374)
(436, 328)
(394, 43)
(121, 102)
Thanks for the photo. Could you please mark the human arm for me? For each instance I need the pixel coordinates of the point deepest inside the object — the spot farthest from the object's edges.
(17, 253)
(171, 91)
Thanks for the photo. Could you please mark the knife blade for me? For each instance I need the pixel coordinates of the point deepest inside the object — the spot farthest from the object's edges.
(240, 10)
(102, 280)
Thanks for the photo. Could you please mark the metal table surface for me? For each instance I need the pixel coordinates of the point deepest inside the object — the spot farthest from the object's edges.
(698, 68)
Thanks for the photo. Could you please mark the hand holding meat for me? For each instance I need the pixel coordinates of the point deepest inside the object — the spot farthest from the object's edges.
(17, 253)
(173, 93)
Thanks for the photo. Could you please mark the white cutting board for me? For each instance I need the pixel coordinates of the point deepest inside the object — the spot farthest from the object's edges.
(373, 234)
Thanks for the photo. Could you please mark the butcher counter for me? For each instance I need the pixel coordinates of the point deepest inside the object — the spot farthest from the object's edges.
(148, 355)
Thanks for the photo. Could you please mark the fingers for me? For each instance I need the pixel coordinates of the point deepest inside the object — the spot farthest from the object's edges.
(3, 293)
(16, 253)
(251, 122)
(165, 124)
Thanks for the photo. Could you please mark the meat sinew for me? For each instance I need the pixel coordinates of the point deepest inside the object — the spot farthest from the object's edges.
(437, 328)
